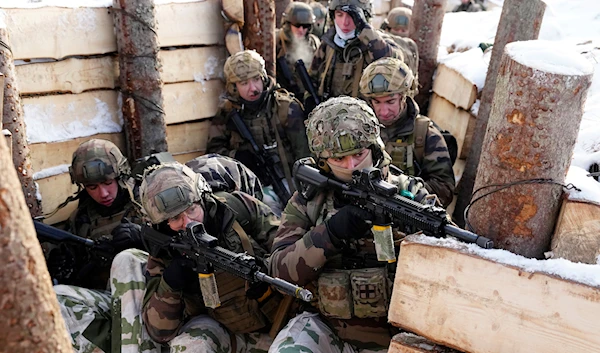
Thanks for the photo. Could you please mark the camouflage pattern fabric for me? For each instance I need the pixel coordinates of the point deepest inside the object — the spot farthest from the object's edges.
(96, 161)
(308, 333)
(436, 166)
(387, 76)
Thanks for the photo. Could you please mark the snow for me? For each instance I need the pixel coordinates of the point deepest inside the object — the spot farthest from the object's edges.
(543, 56)
(48, 172)
(2, 19)
(582, 273)
(472, 64)
(72, 3)
(5, 132)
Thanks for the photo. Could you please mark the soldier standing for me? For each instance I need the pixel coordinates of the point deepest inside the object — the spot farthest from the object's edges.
(320, 12)
(397, 25)
(327, 243)
(273, 116)
(293, 42)
(415, 145)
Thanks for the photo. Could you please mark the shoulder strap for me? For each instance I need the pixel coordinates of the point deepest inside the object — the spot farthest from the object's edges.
(246, 244)
(357, 75)
(329, 53)
(421, 126)
(283, 106)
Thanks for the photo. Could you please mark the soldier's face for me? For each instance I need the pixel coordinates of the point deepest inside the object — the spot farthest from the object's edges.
(103, 193)
(344, 21)
(250, 89)
(400, 31)
(195, 213)
(349, 162)
(300, 31)
(388, 108)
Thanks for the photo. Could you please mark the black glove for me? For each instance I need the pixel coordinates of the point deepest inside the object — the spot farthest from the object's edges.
(349, 222)
(257, 290)
(61, 263)
(127, 235)
(358, 16)
(180, 276)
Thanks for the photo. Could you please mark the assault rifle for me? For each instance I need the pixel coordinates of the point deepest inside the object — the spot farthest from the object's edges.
(369, 191)
(306, 82)
(269, 162)
(197, 245)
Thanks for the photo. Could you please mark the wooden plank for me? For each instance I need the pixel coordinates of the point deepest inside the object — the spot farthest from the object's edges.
(459, 299)
(46, 155)
(186, 157)
(54, 191)
(188, 101)
(191, 64)
(453, 119)
(63, 117)
(453, 86)
(188, 137)
(194, 23)
(57, 32)
(71, 75)
(577, 233)
(410, 343)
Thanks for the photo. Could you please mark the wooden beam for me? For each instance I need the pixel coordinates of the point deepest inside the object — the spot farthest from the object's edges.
(453, 86)
(190, 101)
(46, 155)
(66, 116)
(577, 233)
(188, 137)
(182, 65)
(459, 122)
(194, 23)
(462, 300)
(54, 191)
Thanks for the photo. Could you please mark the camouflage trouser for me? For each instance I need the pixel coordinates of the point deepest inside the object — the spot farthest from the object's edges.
(308, 333)
(87, 316)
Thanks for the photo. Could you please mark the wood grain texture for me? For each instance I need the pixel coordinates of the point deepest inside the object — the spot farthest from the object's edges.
(577, 233)
(190, 101)
(453, 86)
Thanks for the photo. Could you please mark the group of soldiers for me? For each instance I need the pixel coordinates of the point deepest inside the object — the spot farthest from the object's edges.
(359, 113)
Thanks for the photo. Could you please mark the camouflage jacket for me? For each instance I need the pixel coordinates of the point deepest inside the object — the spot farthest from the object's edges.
(340, 75)
(259, 118)
(293, 50)
(304, 249)
(436, 167)
(166, 310)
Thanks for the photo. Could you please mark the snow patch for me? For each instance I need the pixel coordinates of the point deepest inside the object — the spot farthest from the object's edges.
(52, 171)
(475, 107)
(2, 19)
(546, 56)
(472, 64)
(590, 188)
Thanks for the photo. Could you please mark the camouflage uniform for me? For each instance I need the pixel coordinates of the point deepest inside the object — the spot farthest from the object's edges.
(240, 223)
(415, 145)
(275, 115)
(292, 49)
(399, 19)
(471, 6)
(307, 253)
(335, 71)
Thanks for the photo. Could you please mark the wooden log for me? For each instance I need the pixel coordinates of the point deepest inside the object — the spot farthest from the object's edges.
(520, 21)
(454, 87)
(410, 343)
(193, 23)
(31, 319)
(189, 101)
(188, 137)
(577, 234)
(426, 29)
(55, 190)
(234, 10)
(139, 77)
(13, 120)
(63, 117)
(474, 300)
(259, 30)
(531, 134)
(192, 64)
(233, 39)
(72, 75)
(47, 155)
(459, 122)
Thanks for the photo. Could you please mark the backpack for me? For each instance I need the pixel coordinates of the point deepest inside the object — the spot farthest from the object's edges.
(421, 125)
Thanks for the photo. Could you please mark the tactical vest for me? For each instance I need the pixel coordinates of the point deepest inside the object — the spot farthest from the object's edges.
(406, 150)
(98, 226)
(341, 77)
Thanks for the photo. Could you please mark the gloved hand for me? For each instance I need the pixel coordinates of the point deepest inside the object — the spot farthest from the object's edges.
(349, 222)
(61, 263)
(358, 16)
(258, 290)
(127, 235)
(415, 186)
(180, 276)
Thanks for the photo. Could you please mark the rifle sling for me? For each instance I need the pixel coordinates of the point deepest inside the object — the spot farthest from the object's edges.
(286, 167)
(246, 244)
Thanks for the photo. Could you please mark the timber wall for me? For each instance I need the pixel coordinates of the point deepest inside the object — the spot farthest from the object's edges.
(72, 95)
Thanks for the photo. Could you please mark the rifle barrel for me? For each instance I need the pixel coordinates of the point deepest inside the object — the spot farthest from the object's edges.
(286, 287)
(50, 233)
(468, 237)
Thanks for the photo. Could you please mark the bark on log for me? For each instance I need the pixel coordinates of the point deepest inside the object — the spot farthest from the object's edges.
(13, 119)
(280, 6)
(30, 319)
(259, 30)
(425, 30)
(520, 20)
(534, 123)
(139, 77)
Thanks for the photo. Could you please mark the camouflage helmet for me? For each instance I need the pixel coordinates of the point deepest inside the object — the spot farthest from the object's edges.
(169, 189)
(365, 5)
(96, 161)
(399, 18)
(386, 76)
(342, 126)
(298, 13)
(244, 65)
(318, 10)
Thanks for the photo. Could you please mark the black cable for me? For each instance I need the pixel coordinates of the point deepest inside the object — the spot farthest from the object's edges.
(500, 187)
(5, 45)
(156, 108)
(137, 18)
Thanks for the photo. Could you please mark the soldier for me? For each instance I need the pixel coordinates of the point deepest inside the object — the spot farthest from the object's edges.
(273, 116)
(346, 50)
(397, 25)
(318, 237)
(416, 146)
(469, 6)
(173, 311)
(294, 42)
(398, 21)
(320, 26)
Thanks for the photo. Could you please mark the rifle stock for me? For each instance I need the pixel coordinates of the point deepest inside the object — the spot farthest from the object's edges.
(370, 192)
(306, 81)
